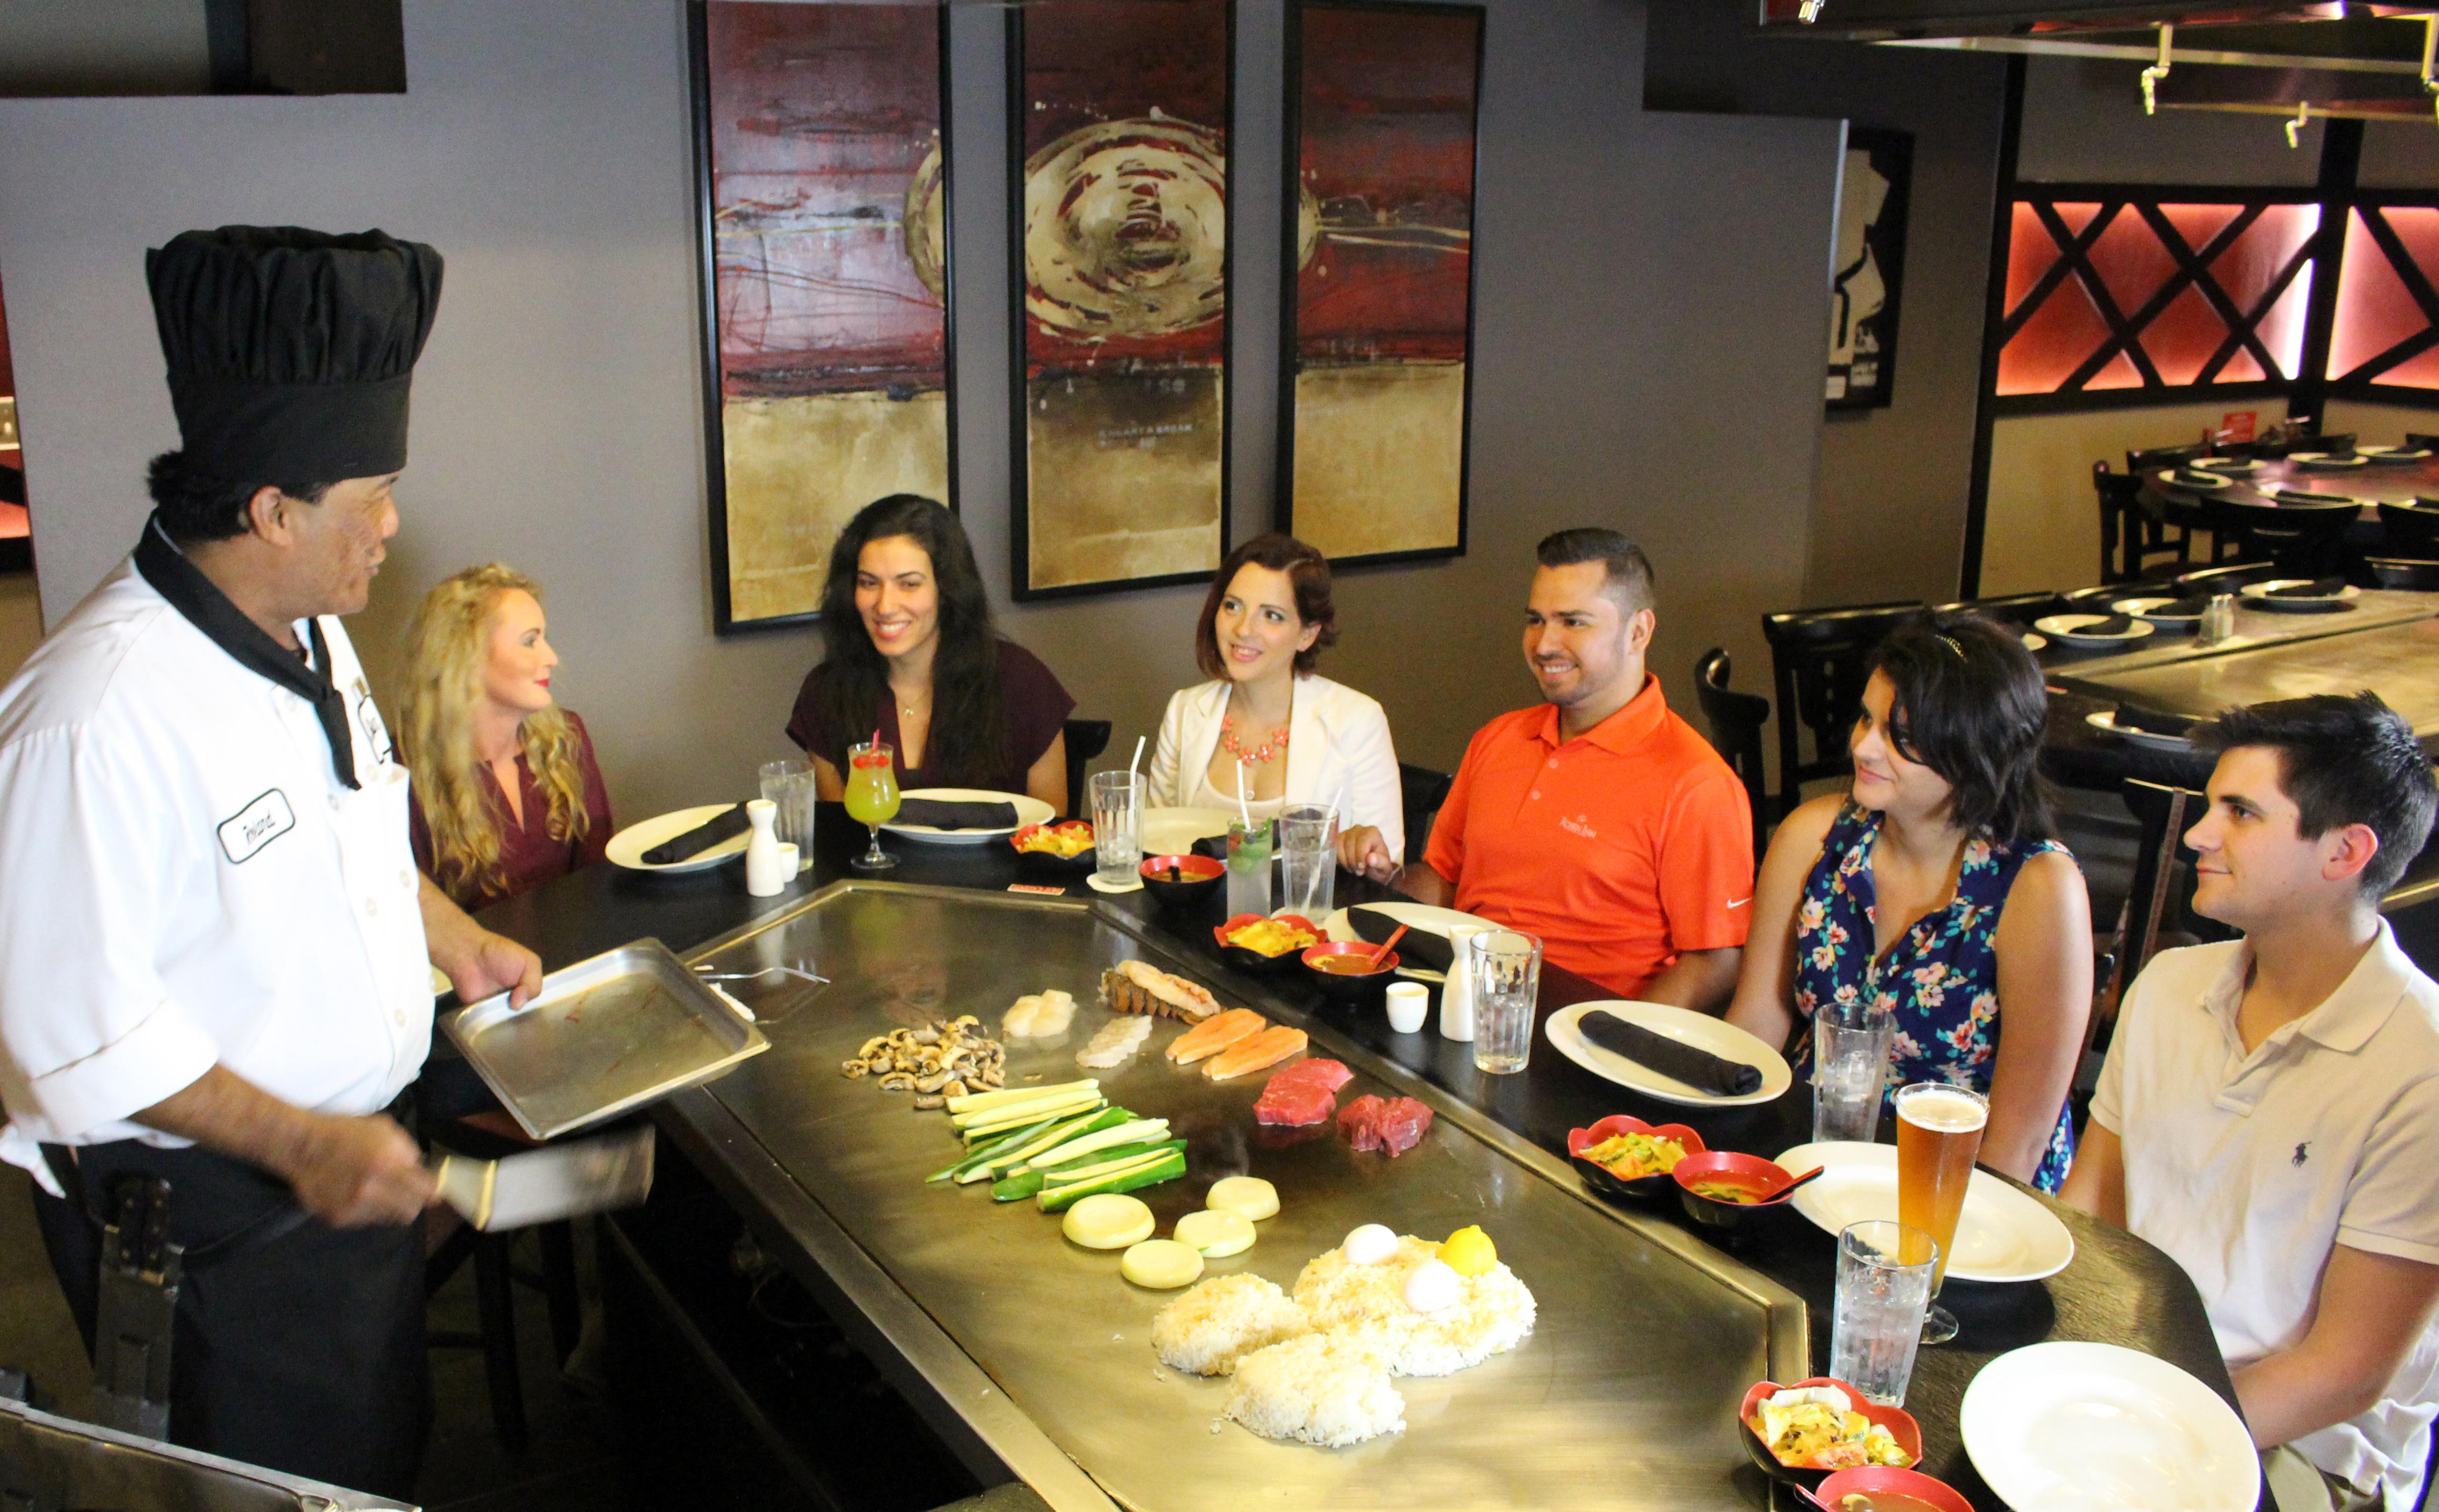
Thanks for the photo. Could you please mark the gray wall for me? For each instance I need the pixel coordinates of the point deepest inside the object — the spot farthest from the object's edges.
(1652, 296)
(1888, 513)
(103, 47)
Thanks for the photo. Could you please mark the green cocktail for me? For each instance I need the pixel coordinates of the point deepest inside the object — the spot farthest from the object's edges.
(872, 798)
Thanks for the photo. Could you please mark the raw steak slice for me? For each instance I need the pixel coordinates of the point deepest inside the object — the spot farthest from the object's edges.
(1393, 1123)
(1306, 1092)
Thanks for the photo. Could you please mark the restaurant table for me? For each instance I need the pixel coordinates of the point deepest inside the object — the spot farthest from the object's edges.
(2118, 1290)
(2372, 483)
(2388, 642)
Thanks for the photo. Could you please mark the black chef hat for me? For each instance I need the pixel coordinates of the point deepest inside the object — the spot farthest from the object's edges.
(290, 350)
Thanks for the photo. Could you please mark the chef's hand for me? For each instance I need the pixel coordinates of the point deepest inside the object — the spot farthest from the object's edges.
(356, 1173)
(477, 962)
(1364, 851)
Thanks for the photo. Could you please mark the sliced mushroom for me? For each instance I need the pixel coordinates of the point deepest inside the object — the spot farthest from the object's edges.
(898, 1081)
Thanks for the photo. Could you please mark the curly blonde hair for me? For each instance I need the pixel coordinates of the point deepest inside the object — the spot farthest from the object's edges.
(446, 645)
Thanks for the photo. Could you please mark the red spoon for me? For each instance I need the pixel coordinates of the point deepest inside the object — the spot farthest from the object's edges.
(1800, 1181)
(1391, 943)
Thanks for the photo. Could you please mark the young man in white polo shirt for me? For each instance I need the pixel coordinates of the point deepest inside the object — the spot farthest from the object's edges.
(2269, 1111)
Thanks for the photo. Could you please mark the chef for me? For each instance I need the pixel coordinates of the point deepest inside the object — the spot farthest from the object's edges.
(213, 939)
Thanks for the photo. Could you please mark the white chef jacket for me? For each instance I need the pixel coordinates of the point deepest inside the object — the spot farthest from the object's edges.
(185, 881)
(2246, 1167)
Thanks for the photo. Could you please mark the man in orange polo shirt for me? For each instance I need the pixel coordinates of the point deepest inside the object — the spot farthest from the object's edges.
(1599, 820)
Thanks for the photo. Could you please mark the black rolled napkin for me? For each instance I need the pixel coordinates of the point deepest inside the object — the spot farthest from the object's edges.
(1419, 949)
(938, 813)
(729, 822)
(2113, 625)
(1698, 1069)
(2157, 722)
(2178, 609)
(2317, 588)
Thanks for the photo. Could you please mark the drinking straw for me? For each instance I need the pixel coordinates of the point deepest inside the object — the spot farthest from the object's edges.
(1138, 756)
(1242, 807)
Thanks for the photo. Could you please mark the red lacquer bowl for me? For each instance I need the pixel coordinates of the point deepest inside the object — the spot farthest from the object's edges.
(1768, 1183)
(1602, 1179)
(1877, 1481)
(1899, 1423)
(1245, 960)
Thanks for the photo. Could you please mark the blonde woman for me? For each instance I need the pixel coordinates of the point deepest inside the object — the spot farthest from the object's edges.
(507, 795)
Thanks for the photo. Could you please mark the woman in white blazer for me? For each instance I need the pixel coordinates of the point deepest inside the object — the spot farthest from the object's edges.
(1297, 737)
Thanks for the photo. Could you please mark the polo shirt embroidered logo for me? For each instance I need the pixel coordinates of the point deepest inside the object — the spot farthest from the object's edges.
(1581, 826)
(2303, 1153)
(244, 833)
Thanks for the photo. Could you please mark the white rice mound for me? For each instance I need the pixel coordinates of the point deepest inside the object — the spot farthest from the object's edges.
(1208, 1328)
(1365, 1305)
(1320, 1389)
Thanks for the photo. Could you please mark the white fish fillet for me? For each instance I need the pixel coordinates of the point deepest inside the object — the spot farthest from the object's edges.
(1114, 1043)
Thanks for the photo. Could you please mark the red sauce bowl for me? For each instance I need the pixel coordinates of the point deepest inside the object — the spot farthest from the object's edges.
(1879, 1481)
(1609, 1183)
(1198, 878)
(1899, 1423)
(1346, 987)
(1766, 1181)
(1245, 960)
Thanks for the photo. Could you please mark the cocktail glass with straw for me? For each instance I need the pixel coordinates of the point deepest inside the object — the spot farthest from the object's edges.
(872, 797)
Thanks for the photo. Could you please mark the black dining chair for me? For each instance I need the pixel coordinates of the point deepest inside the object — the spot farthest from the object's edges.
(2151, 458)
(2336, 443)
(1735, 721)
(2409, 529)
(2018, 609)
(1086, 738)
(1818, 662)
(2401, 574)
(2130, 534)
(1422, 791)
(2159, 902)
(2302, 539)
(2421, 441)
(2211, 581)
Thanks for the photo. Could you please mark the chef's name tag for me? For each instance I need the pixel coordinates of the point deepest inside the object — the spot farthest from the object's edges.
(244, 833)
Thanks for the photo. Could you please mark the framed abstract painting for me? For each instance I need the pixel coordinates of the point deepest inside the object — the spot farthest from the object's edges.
(1869, 267)
(823, 187)
(1118, 176)
(1377, 381)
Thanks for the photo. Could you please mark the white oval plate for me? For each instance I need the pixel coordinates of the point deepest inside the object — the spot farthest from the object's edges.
(2105, 720)
(627, 845)
(2195, 479)
(2261, 591)
(1173, 832)
(2001, 1235)
(2392, 454)
(2319, 460)
(2142, 609)
(2034, 643)
(1423, 916)
(2226, 464)
(2073, 1427)
(2069, 628)
(1700, 1030)
(1029, 810)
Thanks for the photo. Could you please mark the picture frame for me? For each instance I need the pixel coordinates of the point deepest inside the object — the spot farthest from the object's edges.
(1376, 349)
(1867, 268)
(1119, 116)
(821, 137)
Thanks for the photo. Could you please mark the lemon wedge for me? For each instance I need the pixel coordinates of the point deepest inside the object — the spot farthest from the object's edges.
(1468, 1251)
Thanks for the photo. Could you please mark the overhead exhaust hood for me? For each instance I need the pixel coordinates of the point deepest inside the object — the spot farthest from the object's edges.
(2367, 60)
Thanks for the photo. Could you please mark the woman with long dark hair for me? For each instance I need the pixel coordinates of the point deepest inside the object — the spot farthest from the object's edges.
(1934, 890)
(911, 653)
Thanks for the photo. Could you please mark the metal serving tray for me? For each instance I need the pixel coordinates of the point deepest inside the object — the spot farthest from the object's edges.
(1624, 1396)
(603, 1037)
(58, 1462)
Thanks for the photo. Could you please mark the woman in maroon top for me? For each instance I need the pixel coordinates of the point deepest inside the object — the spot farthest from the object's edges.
(912, 652)
(506, 794)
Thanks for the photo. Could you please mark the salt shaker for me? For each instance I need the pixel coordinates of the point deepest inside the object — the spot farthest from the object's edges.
(1456, 994)
(2218, 618)
(766, 871)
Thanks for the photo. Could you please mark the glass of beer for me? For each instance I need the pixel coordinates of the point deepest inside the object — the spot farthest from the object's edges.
(1939, 1131)
(872, 797)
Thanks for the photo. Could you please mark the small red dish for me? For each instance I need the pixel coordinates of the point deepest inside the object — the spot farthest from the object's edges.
(1881, 1480)
(1899, 1423)
(1245, 960)
(1608, 1182)
(1346, 987)
(1181, 881)
(1050, 860)
(1768, 1183)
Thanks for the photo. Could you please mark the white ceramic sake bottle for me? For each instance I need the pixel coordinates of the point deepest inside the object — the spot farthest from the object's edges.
(1456, 994)
(766, 870)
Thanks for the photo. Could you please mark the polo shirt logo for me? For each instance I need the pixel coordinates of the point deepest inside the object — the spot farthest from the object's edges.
(2303, 1153)
(244, 833)
(1580, 825)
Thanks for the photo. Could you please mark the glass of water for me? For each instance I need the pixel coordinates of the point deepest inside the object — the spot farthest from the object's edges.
(789, 785)
(1850, 1059)
(1507, 983)
(1876, 1324)
(1117, 825)
(1309, 842)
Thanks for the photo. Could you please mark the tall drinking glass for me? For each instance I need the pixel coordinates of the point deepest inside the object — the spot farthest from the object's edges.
(1117, 827)
(1507, 984)
(872, 797)
(1881, 1296)
(1249, 867)
(789, 784)
(1850, 1058)
(1309, 841)
(1939, 1131)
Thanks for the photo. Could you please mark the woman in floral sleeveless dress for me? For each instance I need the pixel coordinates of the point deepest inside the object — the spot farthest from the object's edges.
(1934, 891)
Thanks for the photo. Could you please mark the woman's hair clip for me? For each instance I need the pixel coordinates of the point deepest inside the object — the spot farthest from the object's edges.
(1949, 641)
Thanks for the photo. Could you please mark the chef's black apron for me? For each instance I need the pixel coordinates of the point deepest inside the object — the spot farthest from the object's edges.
(299, 1347)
